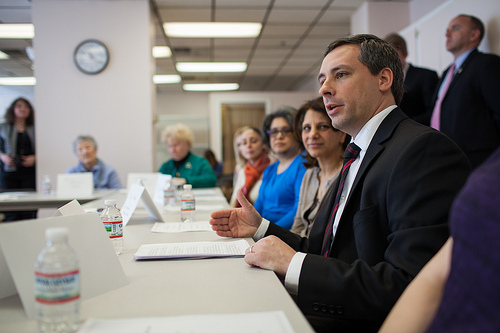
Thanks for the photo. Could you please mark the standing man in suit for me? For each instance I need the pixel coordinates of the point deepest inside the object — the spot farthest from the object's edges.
(469, 110)
(393, 208)
(419, 84)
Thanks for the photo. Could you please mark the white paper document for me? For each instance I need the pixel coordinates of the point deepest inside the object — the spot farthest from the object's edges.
(181, 226)
(262, 322)
(192, 250)
(212, 208)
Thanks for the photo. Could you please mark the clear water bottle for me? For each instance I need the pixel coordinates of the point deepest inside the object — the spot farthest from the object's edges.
(57, 284)
(113, 222)
(46, 185)
(169, 193)
(188, 204)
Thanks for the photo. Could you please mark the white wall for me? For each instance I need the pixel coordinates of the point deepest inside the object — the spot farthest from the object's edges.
(426, 36)
(115, 106)
(380, 18)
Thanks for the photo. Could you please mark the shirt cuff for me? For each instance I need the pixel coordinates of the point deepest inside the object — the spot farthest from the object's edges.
(293, 273)
(261, 231)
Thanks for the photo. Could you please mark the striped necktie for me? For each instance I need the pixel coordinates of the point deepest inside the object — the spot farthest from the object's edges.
(350, 155)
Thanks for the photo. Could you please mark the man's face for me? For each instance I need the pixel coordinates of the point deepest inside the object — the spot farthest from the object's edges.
(460, 36)
(350, 92)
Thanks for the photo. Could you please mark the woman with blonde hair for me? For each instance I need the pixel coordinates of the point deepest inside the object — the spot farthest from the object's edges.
(184, 166)
(252, 160)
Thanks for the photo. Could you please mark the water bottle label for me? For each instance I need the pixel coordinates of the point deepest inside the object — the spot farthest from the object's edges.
(57, 288)
(114, 229)
(169, 194)
(188, 204)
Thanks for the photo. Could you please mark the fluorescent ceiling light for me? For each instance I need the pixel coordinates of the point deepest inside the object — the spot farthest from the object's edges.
(4, 55)
(19, 31)
(211, 86)
(161, 52)
(212, 29)
(18, 81)
(165, 79)
(211, 67)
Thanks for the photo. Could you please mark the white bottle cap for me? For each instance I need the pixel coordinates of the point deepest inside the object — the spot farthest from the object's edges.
(56, 234)
(187, 186)
(109, 202)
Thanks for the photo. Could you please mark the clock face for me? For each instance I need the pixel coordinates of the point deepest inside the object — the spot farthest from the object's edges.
(91, 56)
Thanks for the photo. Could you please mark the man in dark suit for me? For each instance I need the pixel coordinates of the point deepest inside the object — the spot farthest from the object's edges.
(393, 208)
(470, 108)
(419, 84)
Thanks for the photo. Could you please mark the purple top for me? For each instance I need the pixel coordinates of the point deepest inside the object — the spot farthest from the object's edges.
(471, 299)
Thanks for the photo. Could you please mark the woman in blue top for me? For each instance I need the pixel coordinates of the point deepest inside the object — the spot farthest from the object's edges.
(279, 193)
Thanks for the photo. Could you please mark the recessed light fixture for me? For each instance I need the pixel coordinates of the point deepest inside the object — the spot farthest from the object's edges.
(161, 52)
(4, 55)
(211, 67)
(18, 31)
(212, 29)
(166, 79)
(18, 81)
(210, 86)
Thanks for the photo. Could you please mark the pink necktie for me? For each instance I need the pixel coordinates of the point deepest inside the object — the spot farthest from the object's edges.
(436, 114)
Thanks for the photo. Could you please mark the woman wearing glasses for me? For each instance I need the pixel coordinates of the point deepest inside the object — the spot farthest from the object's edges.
(279, 192)
(325, 148)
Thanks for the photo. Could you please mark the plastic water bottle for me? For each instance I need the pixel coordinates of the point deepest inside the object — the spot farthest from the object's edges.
(46, 185)
(57, 284)
(188, 204)
(113, 222)
(169, 193)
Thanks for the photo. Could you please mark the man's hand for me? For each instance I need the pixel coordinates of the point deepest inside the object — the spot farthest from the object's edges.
(236, 222)
(270, 253)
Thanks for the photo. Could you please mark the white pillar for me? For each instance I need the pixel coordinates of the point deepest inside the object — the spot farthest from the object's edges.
(115, 106)
(380, 18)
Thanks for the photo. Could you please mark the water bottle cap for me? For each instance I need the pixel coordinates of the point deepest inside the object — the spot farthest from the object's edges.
(56, 234)
(109, 202)
(188, 186)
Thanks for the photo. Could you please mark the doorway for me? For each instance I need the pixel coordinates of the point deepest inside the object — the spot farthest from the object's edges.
(234, 116)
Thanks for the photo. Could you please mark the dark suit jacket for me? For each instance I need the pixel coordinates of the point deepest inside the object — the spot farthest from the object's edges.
(470, 111)
(394, 221)
(419, 85)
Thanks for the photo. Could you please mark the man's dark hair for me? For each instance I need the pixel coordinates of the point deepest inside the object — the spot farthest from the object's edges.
(376, 54)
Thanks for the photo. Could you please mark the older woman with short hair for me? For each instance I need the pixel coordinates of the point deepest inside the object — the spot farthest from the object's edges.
(104, 175)
(184, 166)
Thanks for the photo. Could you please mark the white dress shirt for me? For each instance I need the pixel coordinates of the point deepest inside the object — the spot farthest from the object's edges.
(362, 140)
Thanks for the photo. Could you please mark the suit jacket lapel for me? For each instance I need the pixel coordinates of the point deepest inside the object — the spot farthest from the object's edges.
(458, 73)
(376, 147)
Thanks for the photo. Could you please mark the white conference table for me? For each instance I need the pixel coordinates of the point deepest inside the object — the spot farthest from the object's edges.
(161, 288)
(21, 201)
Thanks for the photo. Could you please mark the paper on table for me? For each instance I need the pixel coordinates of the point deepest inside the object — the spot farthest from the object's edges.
(206, 191)
(212, 208)
(264, 322)
(181, 226)
(192, 250)
(210, 198)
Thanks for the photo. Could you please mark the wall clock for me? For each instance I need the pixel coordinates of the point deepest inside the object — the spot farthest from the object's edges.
(91, 56)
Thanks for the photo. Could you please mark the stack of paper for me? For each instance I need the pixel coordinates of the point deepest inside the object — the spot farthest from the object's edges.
(192, 250)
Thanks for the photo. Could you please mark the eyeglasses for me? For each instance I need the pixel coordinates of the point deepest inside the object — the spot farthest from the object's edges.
(274, 132)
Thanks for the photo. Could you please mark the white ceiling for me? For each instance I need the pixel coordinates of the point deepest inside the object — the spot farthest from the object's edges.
(287, 52)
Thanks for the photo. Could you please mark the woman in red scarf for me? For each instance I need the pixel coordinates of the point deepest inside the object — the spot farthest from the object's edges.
(253, 152)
